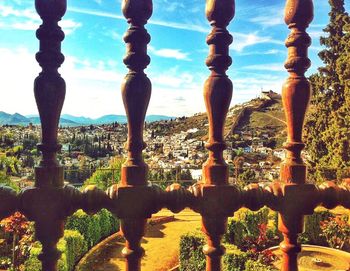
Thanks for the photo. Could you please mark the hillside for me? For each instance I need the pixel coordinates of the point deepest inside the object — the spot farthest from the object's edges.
(258, 116)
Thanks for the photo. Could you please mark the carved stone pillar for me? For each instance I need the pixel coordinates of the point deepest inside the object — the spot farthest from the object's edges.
(217, 96)
(136, 92)
(295, 96)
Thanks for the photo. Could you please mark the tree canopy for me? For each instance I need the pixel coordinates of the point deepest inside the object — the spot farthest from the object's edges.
(327, 129)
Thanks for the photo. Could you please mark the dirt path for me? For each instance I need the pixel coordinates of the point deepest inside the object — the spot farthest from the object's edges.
(161, 244)
(271, 116)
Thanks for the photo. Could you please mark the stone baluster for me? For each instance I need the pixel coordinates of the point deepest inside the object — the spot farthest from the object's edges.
(136, 92)
(295, 96)
(217, 96)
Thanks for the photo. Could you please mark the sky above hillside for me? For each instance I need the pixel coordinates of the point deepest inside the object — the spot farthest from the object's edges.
(94, 50)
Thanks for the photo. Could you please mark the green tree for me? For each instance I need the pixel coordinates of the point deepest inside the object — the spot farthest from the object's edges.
(328, 123)
(106, 177)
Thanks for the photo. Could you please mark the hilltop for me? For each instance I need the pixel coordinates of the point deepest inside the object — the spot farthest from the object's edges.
(262, 115)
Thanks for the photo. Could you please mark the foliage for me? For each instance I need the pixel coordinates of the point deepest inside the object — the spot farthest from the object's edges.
(6, 181)
(247, 175)
(93, 228)
(236, 232)
(313, 232)
(336, 230)
(328, 124)
(234, 259)
(252, 265)
(72, 246)
(191, 252)
(253, 219)
(15, 224)
(193, 259)
(9, 164)
(106, 177)
(76, 247)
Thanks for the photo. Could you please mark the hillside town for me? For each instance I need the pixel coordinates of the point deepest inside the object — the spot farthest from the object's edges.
(253, 152)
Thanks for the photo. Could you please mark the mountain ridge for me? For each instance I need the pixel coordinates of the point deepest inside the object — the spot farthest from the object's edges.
(70, 120)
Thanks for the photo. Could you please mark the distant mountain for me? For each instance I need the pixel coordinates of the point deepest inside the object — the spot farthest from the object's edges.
(16, 118)
(70, 120)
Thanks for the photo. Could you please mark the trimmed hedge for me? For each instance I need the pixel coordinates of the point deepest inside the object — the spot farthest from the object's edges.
(72, 246)
(82, 232)
(193, 259)
(93, 228)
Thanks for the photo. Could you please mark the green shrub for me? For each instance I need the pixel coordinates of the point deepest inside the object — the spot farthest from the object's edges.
(105, 223)
(245, 223)
(33, 263)
(252, 265)
(234, 259)
(312, 231)
(191, 252)
(72, 246)
(236, 232)
(76, 247)
(93, 228)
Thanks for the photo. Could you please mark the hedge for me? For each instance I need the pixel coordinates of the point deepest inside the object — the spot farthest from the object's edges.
(93, 228)
(245, 223)
(82, 232)
(252, 265)
(193, 259)
(72, 246)
(191, 252)
(312, 231)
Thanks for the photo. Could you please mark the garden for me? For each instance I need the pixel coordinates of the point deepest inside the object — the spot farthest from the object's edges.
(250, 234)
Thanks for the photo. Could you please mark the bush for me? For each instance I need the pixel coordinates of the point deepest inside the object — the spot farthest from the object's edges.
(313, 233)
(191, 252)
(252, 265)
(236, 232)
(234, 259)
(93, 228)
(76, 247)
(245, 224)
(72, 246)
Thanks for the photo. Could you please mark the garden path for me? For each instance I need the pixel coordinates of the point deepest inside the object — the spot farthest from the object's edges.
(161, 244)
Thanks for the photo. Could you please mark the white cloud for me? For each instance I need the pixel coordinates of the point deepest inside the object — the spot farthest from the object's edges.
(28, 19)
(93, 88)
(268, 52)
(168, 53)
(241, 41)
(268, 21)
(273, 67)
(176, 25)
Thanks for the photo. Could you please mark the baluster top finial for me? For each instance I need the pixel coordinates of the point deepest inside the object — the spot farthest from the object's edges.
(220, 12)
(137, 10)
(45, 8)
(299, 12)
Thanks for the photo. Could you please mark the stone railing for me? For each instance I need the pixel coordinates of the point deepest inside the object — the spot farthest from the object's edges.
(133, 200)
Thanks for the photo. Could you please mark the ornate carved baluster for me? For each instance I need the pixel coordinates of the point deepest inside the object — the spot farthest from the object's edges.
(49, 89)
(217, 96)
(136, 92)
(296, 95)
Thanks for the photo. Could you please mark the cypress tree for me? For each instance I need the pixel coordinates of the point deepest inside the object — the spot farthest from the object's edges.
(327, 129)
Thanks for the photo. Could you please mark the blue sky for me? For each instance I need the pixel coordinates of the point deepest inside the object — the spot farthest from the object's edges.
(94, 51)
